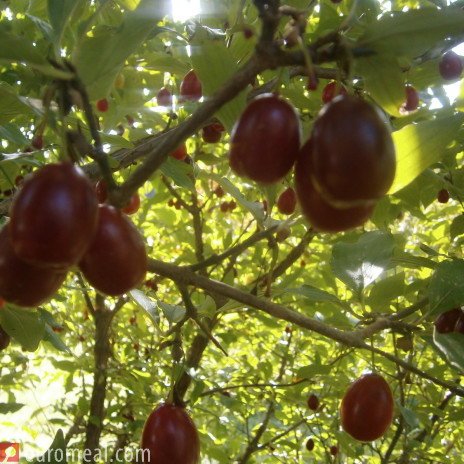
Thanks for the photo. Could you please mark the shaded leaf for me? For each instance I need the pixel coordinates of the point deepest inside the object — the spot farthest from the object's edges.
(452, 346)
(446, 289)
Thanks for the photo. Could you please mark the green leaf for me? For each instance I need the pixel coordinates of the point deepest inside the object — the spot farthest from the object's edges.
(102, 56)
(56, 454)
(446, 289)
(359, 264)
(12, 133)
(314, 294)
(148, 305)
(10, 107)
(214, 64)
(420, 145)
(53, 338)
(385, 291)
(409, 416)
(178, 172)
(452, 346)
(6, 408)
(59, 12)
(173, 313)
(457, 226)
(24, 325)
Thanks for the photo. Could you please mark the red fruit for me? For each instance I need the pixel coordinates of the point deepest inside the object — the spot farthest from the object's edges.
(164, 97)
(331, 90)
(190, 87)
(134, 204)
(412, 99)
(81, 338)
(18, 181)
(212, 133)
(367, 408)
(2, 302)
(443, 196)
(322, 215)
(57, 329)
(116, 260)
(219, 191)
(265, 205)
(180, 153)
(232, 205)
(310, 444)
(22, 283)
(353, 156)
(286, 202)
(132, 320)
(313, 402)
(247, 32)
(101, 191)
(5, 339)
(54, 216)
(459, 327)
(224, 207)
(334, 450)
(450, 66)
(446, 322)
(265, 140)
(102, 105)
(170, 436)
(37, 143)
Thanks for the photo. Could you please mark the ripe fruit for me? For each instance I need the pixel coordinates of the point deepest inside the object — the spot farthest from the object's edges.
(450, 66)
(310, 444)
(313, 402)
(459, 327)
(170, 436)
(286, 202)
(412, 100)
(180, 153)
(22, 283)
(322, 215)
(102, 105)
(224, 207)
(219, 191)
(446, 322)
(334, 450)
(37, 142)
(4, 339)
(331, 90)
(134, 204)
(367, 408)
(116, 260)
(190, 87)
(212, 133)
(164, 97)
(353, 156)
(54, 216)
(443, 196)
(265, 140)
(101, 191)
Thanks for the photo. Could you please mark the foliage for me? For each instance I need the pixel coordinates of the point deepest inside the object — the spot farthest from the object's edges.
(240, 325)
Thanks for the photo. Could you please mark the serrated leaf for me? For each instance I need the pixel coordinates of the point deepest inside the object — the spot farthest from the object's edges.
(420, 145)
(359, 264)
(446, 289)
(148, 305)
(24, 325)
(452, 346)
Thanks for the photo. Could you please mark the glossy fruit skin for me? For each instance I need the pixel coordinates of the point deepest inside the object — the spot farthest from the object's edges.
(367, 408)
(323, 216)
(354, 158)
(212, 133)
(116, 260)
(331, 90)
(412, 99)
(443, 196)
(313, 402)
(22, 283)
(134, 204)
(102, 105)
(450, 66)
(310, 444)
(180, 153)
(54, 216)
(459, 327)
(164, 97)
(265, 139)
(171, 436)
(446, 322)
(334, 450)
(286, 203)
(190, 87)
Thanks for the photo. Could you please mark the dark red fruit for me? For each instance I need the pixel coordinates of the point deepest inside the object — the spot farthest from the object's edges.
(22, 283)
(313, 402)
(18, 181)
(286, 202)
(310, 444)
(412, 99)
(5, 339)
(353, 156)
(322, 215)
(450, 66)
(170, 436)
(212, 133)
(190, 87)
(459, 327)
(219, 191)
(102, 105)
(37, 143)
(54, 216)
(443, 196)
(101, 191)
(180, 153)
(224, 207)
(334, 450)
(265, 140)
(367, 408)
(164, 97)
(134, 204)
(446, 322)
(331, 90)
(116, 260)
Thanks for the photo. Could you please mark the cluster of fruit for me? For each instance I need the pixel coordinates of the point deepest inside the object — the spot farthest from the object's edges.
(347, 164)
(55, 224)
(450, 321)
